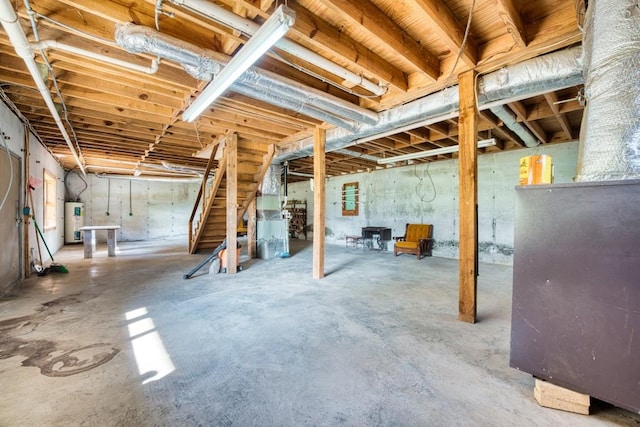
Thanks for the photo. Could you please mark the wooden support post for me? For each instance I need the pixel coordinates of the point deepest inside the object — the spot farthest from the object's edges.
(468, 194)
(319, 199)
(232, 203)
(251, 229)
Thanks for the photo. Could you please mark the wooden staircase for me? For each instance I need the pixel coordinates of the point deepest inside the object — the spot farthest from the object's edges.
(210, 230)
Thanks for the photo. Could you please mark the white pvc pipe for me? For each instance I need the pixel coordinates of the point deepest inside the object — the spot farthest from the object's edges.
(149, 178)
(19, 41)
(54, 44)
(249, 27)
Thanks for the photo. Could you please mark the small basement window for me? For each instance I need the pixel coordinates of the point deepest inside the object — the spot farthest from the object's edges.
(50, 206)
(350, 199)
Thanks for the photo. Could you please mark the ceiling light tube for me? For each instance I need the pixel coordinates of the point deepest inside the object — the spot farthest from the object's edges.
(435, 152)
(270, 32)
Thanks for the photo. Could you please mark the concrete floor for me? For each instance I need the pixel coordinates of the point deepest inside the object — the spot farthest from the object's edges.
(126, 341)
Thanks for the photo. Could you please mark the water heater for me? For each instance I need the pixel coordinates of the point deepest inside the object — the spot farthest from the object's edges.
(73, 219)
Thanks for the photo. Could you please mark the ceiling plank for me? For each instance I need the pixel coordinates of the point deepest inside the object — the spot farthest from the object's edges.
(370, 19)
(508, 12)
(445, 25)
(311, 31)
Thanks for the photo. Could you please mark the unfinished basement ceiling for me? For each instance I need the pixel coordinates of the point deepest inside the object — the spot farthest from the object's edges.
(128, 120)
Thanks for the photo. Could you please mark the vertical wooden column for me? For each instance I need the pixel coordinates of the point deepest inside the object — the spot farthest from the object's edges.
(232, 203)
(468, 195)
(319, 201)
(251, 229)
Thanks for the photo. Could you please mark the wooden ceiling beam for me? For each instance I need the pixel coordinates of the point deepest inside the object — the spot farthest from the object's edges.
(552, 98)
(370, 19)
(313, 32)
(510, 15)
(444, 24)
(521, 113)
(495, 126)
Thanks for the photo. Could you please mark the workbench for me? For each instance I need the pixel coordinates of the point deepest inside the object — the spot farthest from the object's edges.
(90, 239)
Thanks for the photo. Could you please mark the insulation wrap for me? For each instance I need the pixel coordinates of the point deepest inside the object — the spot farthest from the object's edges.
(610, 134)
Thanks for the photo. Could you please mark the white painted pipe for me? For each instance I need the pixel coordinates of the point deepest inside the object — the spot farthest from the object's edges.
(54, 44)
(249, 27)
(149, 178)
(19, 41)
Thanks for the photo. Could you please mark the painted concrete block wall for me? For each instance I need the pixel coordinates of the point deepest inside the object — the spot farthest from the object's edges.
(144, 209)
(428, 193)
(39, 160)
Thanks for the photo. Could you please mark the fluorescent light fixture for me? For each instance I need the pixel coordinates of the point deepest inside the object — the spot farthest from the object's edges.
(269, 33)
(435, 152)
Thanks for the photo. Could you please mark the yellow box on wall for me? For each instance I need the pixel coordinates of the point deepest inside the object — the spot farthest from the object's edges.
(536, 169)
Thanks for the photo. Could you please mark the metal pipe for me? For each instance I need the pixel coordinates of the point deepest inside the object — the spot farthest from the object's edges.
(355, 154)
(54, 44)
(268, 87)
(294, 104)
(148, 178)
(246, 26)
(546, 73)
(19, 41)
(510, 121)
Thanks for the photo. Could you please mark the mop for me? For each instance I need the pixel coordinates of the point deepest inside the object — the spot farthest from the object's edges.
(53, 267)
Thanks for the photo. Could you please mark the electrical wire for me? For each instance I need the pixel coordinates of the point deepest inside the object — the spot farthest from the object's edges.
(464, 40)
(66, 185)
(108, 195)
(75, 30)
(195, 126)
(12, 106)
(6, 195)
(419, 185)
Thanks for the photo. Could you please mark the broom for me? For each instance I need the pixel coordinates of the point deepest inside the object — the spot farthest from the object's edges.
(53, 267)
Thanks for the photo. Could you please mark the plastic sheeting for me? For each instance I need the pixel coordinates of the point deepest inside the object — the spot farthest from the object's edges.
(610, 134)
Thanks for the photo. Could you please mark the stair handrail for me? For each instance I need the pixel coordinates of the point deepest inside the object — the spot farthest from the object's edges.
(222, 167)
(201, 193)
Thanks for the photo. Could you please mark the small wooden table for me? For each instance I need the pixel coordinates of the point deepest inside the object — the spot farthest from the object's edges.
(354, 241)
(90, 239)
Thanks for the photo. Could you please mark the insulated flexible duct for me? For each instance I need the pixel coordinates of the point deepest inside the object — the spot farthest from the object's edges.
(510, 121)
(535, 76)
(610, 133)
(246, 26)
(204, 64)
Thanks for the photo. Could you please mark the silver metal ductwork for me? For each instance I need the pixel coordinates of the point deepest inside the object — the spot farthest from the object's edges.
(610, 133)
(204, 64)
(535, 76)
(246, 26)
(510, 121)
